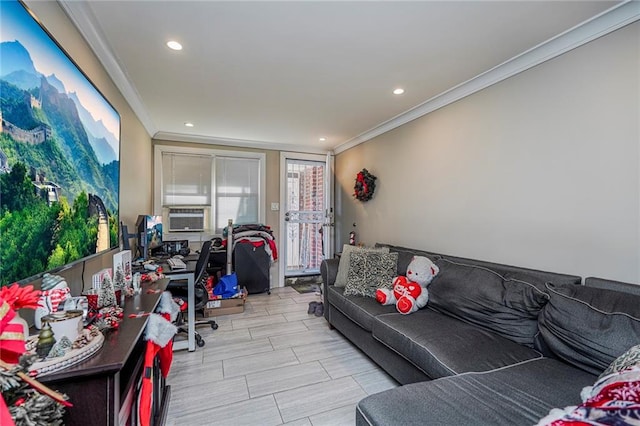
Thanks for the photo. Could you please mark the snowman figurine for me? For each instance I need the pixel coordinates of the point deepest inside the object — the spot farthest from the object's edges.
(54, 292)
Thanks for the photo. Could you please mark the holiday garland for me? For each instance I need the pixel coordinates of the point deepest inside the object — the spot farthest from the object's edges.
(28, 402)
(365, 185)
(23, 400)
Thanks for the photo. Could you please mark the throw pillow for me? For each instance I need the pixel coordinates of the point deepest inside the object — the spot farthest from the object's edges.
(370, 271)
(345, 261)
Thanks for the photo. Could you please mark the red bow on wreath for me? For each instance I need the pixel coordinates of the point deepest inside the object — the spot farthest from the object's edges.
(360, 179)
(365, 185)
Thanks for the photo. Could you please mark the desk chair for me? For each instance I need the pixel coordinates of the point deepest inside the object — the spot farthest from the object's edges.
(179, 286)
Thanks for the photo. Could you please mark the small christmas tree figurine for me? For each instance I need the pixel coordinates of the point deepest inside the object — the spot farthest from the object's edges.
(106, 295)
(119, 281)
(46, 340)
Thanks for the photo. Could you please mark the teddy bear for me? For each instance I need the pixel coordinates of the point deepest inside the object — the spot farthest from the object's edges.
(409, 292)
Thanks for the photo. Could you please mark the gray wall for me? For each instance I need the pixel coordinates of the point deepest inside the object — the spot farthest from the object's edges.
(540, 170)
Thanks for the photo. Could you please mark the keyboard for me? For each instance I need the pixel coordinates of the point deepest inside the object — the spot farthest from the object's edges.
(175, 263)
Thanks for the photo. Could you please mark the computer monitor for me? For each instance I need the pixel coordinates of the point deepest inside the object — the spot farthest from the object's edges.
(149, 230)
(125, 236)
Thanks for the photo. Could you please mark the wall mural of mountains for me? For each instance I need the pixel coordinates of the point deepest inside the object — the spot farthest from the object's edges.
(59, 154)
(84, 141)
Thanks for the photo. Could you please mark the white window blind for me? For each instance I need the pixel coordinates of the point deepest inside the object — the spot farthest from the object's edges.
(186, 179)
(237, 190)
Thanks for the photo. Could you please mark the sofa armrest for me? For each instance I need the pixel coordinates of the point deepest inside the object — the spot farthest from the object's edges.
(329, 271)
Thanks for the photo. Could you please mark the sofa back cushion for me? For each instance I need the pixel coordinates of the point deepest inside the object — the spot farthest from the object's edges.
(589, 327)
(506, 303)
(612, 285)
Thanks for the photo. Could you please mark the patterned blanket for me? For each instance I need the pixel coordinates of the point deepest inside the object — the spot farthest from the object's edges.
(613, 400)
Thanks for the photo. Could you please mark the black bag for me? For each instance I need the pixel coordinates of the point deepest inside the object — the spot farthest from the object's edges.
(251, 265)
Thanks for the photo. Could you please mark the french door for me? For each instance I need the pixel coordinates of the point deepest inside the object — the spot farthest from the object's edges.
(306, 213)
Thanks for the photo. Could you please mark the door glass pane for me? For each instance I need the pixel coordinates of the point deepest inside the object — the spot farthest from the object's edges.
(305, 216)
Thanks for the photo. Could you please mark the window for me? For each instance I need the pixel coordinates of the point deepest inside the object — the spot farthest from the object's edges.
(227, 184)
(237, 190)
(186, 179)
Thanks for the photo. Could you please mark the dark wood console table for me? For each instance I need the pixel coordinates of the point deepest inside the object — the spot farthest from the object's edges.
(104, 388)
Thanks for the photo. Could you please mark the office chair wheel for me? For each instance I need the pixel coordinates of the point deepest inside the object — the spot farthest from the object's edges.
(214, 326)
(200, 341)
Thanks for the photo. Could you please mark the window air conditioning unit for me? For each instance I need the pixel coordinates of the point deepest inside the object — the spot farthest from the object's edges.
(186, 219)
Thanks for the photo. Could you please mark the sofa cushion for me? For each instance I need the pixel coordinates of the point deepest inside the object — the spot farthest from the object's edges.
(517, 395)
(442, 346)
(590, 327)
(507, 303)
(369, 271)
(345, 261)
(361, 310)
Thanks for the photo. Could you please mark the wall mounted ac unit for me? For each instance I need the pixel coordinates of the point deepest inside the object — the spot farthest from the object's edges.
(186, 219)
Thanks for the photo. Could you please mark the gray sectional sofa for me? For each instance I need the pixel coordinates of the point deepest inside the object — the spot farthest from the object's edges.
(496, 345)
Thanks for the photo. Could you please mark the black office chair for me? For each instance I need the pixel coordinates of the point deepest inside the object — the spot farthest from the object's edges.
(178, 288)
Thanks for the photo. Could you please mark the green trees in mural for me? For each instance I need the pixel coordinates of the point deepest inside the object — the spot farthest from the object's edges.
(37, 236)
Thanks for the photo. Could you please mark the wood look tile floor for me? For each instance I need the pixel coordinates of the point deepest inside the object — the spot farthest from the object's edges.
(273, 364)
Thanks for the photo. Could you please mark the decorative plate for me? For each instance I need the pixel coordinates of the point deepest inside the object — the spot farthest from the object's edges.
(73, 357)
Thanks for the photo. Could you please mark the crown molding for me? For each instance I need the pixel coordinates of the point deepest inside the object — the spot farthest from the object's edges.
(596, 27)
(242, 143)
(86, 23)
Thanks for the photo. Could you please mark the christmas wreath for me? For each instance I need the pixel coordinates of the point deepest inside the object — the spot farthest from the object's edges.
(365, 185)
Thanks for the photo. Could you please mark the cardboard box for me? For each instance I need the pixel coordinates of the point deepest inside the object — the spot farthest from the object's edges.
(215, 308)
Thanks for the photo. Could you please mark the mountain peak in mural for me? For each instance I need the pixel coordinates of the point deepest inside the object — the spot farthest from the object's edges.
(15, 58)
(16, 65)
(18, 69)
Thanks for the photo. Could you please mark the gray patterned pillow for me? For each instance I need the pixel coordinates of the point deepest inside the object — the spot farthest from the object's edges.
(345, 261)
(369, 271)
(624, 361)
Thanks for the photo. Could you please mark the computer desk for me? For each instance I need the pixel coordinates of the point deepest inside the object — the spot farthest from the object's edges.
(189, 275)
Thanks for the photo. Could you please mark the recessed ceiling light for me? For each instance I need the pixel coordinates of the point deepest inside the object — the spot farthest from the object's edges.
(174, 45)
(398, 91)
(323, 139)
(188, 124)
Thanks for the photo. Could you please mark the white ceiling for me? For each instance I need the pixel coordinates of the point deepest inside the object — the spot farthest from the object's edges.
(285, 74)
